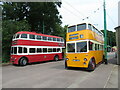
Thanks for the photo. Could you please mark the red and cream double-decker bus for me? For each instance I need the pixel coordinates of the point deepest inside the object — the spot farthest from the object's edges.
(28, 47)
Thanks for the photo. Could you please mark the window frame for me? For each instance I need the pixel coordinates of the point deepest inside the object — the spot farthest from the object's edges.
(23, 38)
(32, 48)
(32, 38)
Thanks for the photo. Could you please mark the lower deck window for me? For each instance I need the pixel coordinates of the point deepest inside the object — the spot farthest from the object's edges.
(32, 50)
(71, 47)
(77, 47)
(44, 50)
(58, 49)
(91, 45)
(49, 49)
(39, 50)
(24, 50)
(15, 50)
(19, 49)
(54, 49)
(82, 47)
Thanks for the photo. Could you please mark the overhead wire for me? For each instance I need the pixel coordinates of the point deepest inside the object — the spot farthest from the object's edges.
(88, 17)
(74, 8)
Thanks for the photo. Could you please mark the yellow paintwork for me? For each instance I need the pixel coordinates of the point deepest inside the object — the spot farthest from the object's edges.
(98, 55)
(87, 34)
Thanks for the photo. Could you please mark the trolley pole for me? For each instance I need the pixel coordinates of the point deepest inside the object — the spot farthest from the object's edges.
(105, 34)
(43, 27)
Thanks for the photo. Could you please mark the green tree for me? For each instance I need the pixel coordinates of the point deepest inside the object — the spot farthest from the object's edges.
(9, 28)
(111, 38)
(40, 15)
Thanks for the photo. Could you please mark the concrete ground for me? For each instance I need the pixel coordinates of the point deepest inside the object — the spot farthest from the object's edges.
(53, 75)
(112, 81)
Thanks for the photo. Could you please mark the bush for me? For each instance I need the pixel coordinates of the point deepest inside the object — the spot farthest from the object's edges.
(9, 28)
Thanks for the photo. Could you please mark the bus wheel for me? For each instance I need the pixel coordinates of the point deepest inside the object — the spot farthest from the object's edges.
(103, 60)
(91, 65)
(56, 58)
(23, 61)
(66, 67)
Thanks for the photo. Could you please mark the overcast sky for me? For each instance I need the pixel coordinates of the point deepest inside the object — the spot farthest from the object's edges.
(74, 11)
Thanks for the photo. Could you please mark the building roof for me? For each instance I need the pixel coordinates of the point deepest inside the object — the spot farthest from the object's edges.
(117, 27)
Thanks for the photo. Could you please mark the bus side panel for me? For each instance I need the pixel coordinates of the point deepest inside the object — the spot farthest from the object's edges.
(43, 57)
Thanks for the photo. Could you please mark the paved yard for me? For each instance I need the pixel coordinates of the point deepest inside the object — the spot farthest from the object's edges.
(53, 75)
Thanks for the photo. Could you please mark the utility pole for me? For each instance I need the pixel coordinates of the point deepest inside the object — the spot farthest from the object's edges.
(105, 34)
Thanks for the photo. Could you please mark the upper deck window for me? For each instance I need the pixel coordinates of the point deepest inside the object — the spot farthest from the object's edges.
(39, 37)
(32, 36)
(50, 38)
(23, 35)
(89, 27)
(71, 29)
(81, 27)
(62, 40)
(58, 39)
(18, 35)
(44, 38)
(54, 39)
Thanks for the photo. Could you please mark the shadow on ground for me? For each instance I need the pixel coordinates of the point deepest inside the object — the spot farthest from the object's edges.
(36, 63)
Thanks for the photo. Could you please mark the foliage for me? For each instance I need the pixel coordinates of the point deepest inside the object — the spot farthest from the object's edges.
(111, 38)
(40, 15)
(9, 28)
(30, 16)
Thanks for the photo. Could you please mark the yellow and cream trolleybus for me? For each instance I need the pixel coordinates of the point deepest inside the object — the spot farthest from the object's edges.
(84, 46)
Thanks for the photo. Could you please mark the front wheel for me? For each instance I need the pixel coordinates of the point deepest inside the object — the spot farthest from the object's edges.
(23, 62)
(91, 65)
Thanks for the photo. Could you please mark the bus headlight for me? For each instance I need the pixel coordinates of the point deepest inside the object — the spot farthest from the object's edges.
(85, 59)
(67, 59)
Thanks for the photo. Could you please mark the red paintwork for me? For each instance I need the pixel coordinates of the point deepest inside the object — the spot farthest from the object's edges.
(34, 33)
(35, 58)
(36, 43)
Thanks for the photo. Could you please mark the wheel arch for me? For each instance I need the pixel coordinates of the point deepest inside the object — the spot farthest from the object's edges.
(56, 55)
(25, 58)
(92, 58)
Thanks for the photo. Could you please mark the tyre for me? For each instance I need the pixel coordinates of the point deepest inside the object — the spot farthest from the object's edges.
(56, 58)
(66, 67)
(103, 60)
(23, 62)
(92, 65)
